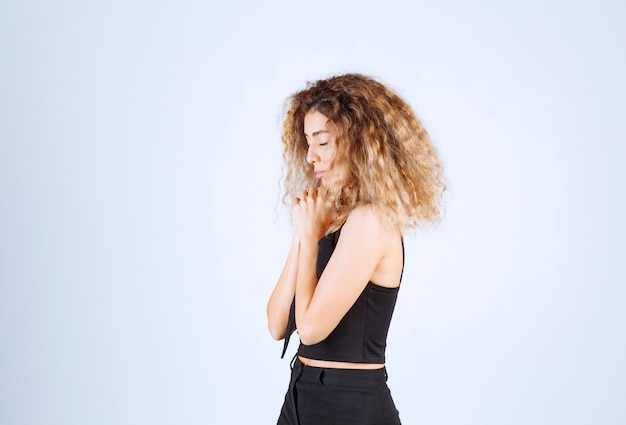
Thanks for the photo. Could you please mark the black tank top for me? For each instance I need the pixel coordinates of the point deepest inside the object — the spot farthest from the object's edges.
(361, 335)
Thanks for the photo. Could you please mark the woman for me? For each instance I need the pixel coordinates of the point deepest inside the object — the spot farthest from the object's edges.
(360, 170)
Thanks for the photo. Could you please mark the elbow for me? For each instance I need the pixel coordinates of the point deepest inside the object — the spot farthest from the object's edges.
(307, 340)
(276, 332)
(309, 335)
(276, 327)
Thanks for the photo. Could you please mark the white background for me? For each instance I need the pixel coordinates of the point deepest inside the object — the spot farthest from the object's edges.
(141, 230)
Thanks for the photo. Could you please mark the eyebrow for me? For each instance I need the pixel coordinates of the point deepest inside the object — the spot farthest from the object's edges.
(315, 133)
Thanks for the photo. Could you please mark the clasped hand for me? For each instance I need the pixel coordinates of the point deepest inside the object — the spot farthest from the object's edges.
(311, 215)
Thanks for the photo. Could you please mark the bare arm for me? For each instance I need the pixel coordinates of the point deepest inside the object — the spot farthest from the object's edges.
(282, 296)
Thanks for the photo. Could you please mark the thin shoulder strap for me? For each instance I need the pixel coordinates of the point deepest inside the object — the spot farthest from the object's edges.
(402, 272)
(290, 325)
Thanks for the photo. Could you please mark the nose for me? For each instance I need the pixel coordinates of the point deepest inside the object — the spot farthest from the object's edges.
(311, 155)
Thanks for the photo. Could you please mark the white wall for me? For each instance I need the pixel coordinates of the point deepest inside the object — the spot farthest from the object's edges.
(141, 231)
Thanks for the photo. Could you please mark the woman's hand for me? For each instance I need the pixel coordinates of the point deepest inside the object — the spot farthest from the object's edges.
(311, 215)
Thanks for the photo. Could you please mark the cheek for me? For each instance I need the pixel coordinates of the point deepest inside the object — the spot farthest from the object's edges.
(330, 155)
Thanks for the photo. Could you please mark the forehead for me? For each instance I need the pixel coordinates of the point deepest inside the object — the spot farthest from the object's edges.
(315, 122)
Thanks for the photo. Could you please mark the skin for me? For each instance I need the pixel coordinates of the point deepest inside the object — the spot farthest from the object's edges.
(369, 249)
(320, 136)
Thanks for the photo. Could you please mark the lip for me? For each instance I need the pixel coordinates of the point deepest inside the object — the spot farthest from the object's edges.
(320, 174)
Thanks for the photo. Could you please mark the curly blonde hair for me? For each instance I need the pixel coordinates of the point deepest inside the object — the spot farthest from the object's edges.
(384, 155)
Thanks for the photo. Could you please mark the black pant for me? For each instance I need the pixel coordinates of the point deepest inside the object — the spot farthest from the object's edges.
(327, 396)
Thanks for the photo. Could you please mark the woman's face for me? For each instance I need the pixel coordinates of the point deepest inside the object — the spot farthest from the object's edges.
(320, 136)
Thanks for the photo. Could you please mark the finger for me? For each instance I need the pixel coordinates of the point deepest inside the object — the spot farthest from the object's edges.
(304, 194)
(313, 191)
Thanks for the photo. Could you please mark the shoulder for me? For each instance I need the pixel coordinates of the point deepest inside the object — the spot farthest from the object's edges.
(368, 221)
(374, 245)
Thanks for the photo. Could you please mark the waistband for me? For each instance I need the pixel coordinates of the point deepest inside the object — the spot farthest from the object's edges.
(332, 376)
